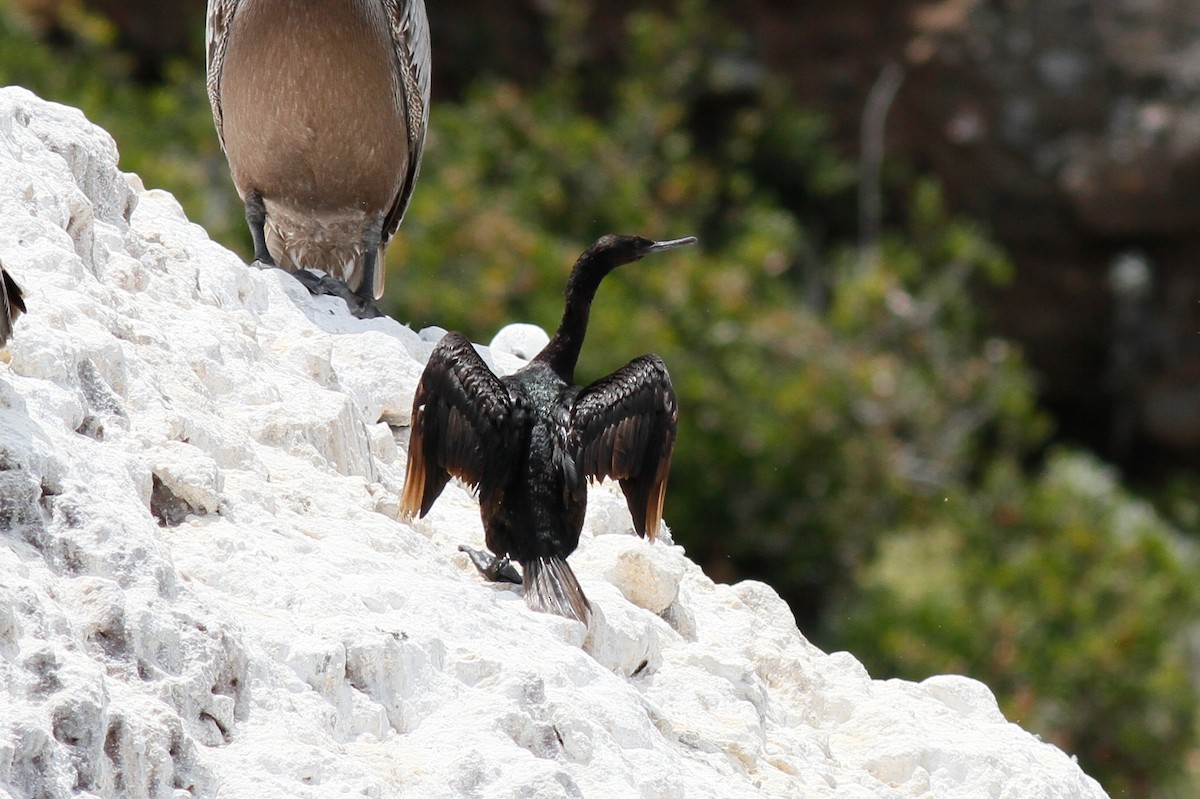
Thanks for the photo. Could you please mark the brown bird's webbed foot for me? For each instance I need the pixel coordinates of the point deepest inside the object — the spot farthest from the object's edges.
(497, 570)
(321, 284)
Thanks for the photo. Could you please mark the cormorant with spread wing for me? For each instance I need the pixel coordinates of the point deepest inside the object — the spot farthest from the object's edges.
(530, 441)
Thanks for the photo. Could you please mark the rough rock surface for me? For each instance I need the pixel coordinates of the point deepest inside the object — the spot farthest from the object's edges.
(204, 589)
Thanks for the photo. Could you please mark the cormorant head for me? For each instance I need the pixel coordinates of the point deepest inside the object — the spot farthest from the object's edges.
(604, 256)
(612, 250)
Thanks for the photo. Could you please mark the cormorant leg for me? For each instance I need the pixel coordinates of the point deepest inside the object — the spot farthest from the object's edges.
(497, 570)
(256, 218)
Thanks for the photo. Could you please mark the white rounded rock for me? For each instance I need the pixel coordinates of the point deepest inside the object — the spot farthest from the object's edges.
(520, 339)
(647, 574)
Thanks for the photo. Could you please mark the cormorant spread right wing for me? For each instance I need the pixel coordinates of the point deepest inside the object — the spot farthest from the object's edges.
(460, 426)
(623, 426)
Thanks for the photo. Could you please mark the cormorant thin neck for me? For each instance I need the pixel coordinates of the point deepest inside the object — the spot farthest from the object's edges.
(562, 352)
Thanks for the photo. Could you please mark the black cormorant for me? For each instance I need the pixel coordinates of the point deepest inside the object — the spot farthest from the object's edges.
(321, 107)
(530, 441)
(12, 305)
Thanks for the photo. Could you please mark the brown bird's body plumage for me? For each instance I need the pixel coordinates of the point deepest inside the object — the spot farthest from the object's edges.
(529, 442)
(322, 108)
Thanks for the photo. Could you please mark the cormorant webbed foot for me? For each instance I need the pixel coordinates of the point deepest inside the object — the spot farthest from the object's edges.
(497, 570)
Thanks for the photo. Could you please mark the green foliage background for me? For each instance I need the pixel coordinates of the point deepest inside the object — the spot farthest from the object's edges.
(850, 431)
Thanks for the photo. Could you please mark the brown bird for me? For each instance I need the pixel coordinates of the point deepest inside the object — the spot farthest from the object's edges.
(321, 107)
(12, 305)
(530, 441)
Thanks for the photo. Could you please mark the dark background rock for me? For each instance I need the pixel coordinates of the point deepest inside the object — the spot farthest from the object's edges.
(1073, 130)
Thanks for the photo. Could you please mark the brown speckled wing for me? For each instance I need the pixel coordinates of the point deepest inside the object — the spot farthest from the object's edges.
(410, 33)
(216, 27)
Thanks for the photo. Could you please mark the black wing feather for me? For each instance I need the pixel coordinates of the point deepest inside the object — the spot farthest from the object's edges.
(460, 426)
(623, 426)
(12, 305)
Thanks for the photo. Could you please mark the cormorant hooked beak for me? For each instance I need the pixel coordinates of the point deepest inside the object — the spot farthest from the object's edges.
(659, 246)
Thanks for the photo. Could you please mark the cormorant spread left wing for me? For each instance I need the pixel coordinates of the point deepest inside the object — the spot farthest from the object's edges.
(623, 426)
(460, 426)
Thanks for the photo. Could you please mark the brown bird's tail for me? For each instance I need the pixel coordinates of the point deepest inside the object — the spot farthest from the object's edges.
(551, 587)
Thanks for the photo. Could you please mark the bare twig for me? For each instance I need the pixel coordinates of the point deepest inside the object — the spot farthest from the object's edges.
(870, 177)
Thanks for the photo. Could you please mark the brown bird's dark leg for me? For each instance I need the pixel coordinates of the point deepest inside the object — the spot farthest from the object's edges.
(256, 217)
(497, 570)
(363, 303)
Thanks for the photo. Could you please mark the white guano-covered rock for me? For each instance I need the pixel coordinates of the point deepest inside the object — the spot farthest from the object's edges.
(205, 590)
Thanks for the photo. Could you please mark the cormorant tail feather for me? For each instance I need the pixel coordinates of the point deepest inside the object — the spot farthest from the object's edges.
(551, 587)
(414, 480)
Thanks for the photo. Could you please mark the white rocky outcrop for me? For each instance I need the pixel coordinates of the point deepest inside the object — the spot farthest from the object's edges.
(205, 590)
